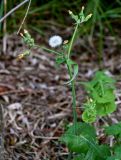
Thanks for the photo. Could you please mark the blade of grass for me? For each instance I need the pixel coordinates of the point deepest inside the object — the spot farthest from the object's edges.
(1, 14)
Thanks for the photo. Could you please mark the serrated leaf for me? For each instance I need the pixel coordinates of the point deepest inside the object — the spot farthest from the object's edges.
(75, 143)
(93, 155)
(101, 75)
(105, 108)
(89, 115)
(115, 129)
(101, 90)
(106, 97)
(81, 141)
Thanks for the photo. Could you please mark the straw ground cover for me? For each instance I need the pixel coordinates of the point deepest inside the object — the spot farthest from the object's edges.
(38, 109)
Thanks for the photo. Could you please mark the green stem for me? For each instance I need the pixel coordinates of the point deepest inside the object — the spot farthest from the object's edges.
(73, 82)
(73, 98)
(72, 40)
(48, 50)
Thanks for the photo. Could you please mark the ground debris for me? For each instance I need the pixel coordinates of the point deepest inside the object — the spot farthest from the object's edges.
(36, 103)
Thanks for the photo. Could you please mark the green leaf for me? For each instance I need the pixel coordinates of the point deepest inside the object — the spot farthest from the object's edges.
(100, 75)
(117, 150)
(105, 108)
(89, 115)
(112, 158)
(105, 97)
(114, 130)
(78, 157)
(90, 154)
(105, 149)
(101, 90)
(75, 68)
(95, 155)
(60, 60)
(81, 142)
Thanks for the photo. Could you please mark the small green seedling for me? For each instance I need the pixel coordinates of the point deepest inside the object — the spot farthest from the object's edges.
(101, 91)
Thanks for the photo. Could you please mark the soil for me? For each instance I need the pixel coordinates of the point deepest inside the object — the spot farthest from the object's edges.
(37, 106)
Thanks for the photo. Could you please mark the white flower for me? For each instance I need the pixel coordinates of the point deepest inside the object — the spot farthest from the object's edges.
(55, 41)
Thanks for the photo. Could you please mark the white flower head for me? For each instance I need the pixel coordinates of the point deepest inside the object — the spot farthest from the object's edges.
(55, 41)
